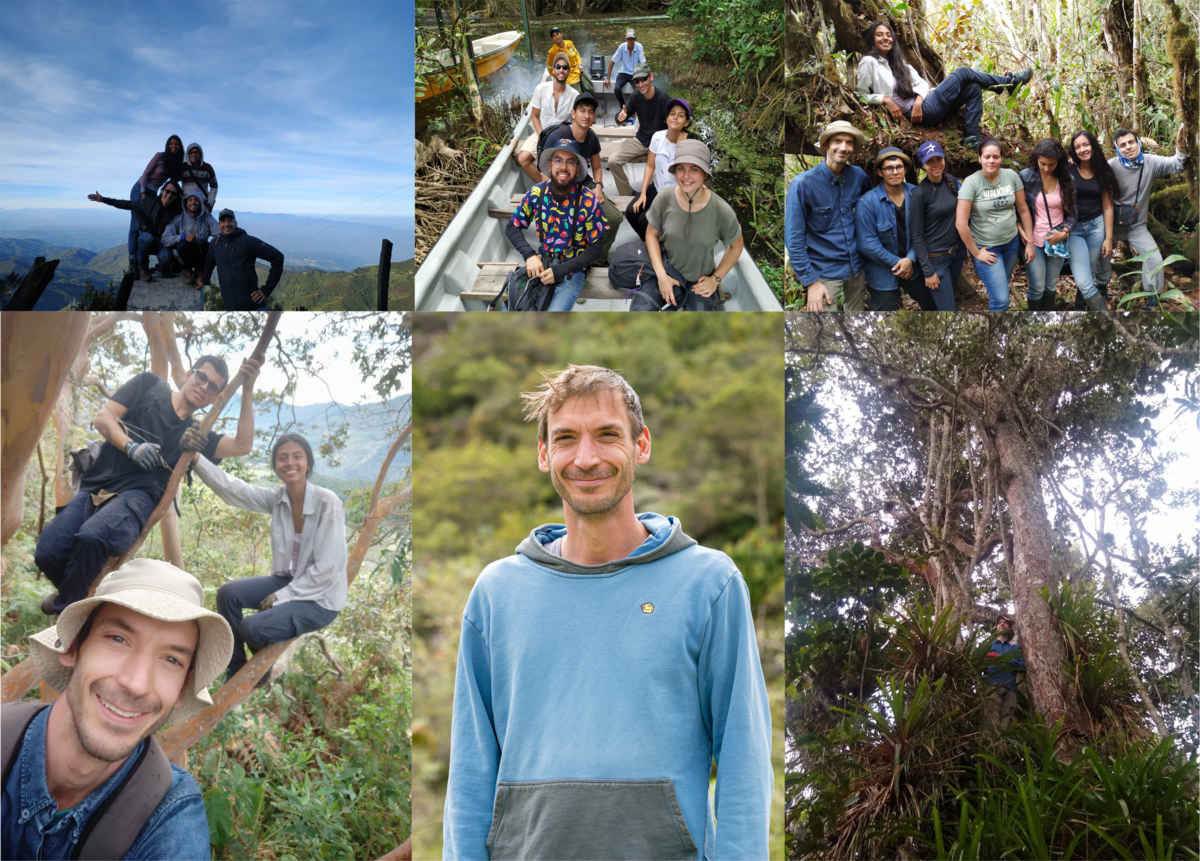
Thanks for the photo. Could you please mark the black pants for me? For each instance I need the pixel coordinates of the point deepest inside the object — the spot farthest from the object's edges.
(191, 254)
(922, 295)
(638, 220)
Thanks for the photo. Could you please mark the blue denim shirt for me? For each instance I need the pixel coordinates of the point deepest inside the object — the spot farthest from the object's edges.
(1000, 673)
(818, 223)
(177, 829)
(875, 221)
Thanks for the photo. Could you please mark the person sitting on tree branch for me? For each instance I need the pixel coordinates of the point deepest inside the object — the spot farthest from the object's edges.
(885, 78)
(142, 425)
(307, 586)
(1000, 703)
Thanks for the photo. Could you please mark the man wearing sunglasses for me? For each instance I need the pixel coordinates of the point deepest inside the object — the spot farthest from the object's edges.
(142, 424)
(154, 213)
(549, 106)
(649, 104)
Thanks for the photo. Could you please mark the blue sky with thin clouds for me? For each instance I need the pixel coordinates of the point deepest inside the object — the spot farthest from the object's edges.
(302, 108)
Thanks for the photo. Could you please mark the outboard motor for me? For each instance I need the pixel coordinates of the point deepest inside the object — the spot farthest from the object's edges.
(596, 71)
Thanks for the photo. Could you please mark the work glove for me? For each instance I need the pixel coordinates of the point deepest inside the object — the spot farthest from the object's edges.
(144, 454)
(267, 603)
(194, 440)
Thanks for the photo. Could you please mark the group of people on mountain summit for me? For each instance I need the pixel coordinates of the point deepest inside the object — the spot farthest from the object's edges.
(864, 239)
(171, 207)
(577, 223)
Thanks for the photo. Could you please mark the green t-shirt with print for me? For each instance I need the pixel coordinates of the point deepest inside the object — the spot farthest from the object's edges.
(993, 206)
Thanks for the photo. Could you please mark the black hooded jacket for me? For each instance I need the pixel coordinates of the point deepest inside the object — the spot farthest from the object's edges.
(234, 256)
(150, 212)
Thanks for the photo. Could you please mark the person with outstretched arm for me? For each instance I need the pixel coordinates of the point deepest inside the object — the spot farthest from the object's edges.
(154, 213)
(233, 255)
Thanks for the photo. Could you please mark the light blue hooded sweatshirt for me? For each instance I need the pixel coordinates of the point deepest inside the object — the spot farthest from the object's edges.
(591, 700)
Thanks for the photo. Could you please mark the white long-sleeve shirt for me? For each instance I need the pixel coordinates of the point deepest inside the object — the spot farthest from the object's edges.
(321, 566)
(875, 80)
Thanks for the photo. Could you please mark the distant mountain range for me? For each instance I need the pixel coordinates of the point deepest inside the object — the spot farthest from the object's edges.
(314, 243)
(366, 443)
(301, 285)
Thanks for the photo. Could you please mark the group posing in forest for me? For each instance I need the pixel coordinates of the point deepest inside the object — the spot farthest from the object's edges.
(866, 239)
(672, 264)
(142, 651)
(171, 207)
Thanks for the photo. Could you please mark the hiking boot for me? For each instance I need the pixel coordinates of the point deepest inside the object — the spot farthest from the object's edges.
(971, 141)
(133, 266)
(1095, 302)
(188, 281)
(1019, 79)
(144, 275)
(265, 681)
(1048, 300)
(48, 603)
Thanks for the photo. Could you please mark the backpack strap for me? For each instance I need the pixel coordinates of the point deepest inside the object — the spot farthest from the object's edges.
(15, 719)
(119, 820)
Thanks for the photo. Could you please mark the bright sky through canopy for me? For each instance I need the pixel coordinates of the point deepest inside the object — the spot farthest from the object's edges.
(302, 108)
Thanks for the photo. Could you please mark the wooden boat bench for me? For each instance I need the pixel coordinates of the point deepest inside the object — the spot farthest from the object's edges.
(490, 281)
(622, 202)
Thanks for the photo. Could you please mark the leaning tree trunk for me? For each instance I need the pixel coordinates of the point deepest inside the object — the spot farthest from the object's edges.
(1182, 49)
(36, 353)
(1118, 37)
(1031, 571)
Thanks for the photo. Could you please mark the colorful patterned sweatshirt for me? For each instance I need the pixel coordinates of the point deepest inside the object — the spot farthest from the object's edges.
(570, 228)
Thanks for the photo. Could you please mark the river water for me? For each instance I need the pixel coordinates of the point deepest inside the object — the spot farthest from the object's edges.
(748, 167)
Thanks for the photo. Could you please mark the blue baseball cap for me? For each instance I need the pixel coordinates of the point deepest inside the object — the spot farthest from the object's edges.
(928, 150)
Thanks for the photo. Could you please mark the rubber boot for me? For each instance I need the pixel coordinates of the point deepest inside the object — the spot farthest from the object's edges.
(1048, 300)
(1095, 302)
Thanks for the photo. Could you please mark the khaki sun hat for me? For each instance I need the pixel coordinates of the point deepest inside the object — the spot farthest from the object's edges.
(562, 54)
(156, 589)
(692, 151)
(841, 127)
(893, 152)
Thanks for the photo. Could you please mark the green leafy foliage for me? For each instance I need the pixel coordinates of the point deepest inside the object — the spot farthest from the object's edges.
(746, 32)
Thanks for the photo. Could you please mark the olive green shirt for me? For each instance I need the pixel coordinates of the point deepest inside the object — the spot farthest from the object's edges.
(993, 206)
(691, 247)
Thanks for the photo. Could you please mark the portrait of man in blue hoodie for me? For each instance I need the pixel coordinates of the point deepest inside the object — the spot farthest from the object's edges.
(605, 667)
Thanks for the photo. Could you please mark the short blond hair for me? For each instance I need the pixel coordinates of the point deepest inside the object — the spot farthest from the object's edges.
(578, 380)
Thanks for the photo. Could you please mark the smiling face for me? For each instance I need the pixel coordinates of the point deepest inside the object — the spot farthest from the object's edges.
(291, 463)
(934, 168)
(557, 36)
(128, 674)
(174, 145)
(883, 40)
(563, 167)
(644, 85)
(1083, 149)
(677, 118)
(892, 172)
(169, 194)
(562, 68)
(202, 385)
(1128, 146)
(195, 156)
(591, 454)
(690, 177)
(839, 148)
(192, 204)
(990, 160)
(228, 225)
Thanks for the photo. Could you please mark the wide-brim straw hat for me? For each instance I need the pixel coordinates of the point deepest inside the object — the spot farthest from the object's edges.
(692, 151)
(841, 127)
(160, 591)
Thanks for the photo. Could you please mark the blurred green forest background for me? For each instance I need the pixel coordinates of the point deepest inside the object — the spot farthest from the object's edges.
(316, 765)
(711, 388)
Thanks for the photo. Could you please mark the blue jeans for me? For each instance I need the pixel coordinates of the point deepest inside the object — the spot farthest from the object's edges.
(566, 292)
(947, 267)
(135, 223)
(1085, 241)
(281, 622)
(995, 276)
(148, 244)
(963, 88)
(76, 544)
(1043, 273)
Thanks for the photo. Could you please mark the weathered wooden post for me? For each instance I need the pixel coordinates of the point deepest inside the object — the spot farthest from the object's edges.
(36, 280)
(385, 276)
(121, 303)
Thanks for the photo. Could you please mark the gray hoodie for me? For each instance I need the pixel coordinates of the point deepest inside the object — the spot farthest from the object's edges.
(203, 225)
(1153, 167)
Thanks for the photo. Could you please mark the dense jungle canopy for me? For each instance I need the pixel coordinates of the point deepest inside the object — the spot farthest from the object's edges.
(1098, 65)
(942, 468)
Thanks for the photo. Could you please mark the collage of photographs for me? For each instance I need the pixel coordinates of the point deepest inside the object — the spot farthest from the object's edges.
(296, 563)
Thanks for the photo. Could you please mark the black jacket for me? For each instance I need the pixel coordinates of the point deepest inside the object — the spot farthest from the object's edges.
(234, 256)
(150, 212)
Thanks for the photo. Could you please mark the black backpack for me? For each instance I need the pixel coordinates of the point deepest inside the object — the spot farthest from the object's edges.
(629, 268)
(118, 821)
(523, 293)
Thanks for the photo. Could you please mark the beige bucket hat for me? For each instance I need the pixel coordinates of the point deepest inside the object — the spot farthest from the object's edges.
(156, 589)
(692, 151)
(841, 127)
